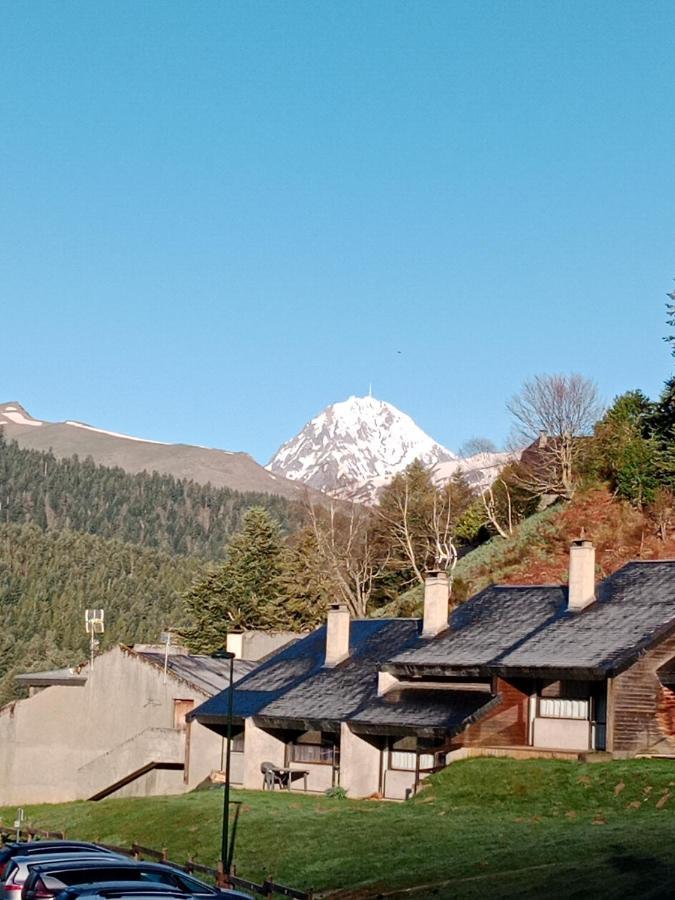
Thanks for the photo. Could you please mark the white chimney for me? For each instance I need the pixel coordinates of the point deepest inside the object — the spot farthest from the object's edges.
(436, 597)
(235, 643)
(582, 575)
(337, 634)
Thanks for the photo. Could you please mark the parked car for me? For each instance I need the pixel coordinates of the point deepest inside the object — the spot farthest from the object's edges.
(110, 889)
(43, 848)
(113, 893)
(17, 868)
(47, 879)
(131, 890)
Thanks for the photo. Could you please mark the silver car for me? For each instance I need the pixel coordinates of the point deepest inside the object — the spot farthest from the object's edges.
(18, 867)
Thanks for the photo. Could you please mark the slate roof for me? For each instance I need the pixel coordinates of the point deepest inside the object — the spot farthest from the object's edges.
(204, 672)
(513, 630)
(294, 685)
(424, 712)
(503, 630)
(334, 695)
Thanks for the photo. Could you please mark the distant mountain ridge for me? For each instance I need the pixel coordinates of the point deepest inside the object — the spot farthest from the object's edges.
(354, 447)
(220, 468)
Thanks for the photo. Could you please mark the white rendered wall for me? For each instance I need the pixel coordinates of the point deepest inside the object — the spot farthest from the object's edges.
(562, 734)
(260, 746)
(359, 764)
(47, 738)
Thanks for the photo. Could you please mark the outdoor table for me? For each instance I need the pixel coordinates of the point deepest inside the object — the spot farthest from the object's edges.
(289, 774)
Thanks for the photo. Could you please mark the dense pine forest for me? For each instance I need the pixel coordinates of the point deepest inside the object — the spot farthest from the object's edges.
(74, 534)
(48, 579)
(150, 510)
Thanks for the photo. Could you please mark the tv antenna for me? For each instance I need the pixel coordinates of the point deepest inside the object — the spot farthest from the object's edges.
(93, 624)
(166, 640)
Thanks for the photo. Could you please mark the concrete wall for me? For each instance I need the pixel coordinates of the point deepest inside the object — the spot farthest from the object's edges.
(319, 779)
(47, 738)
(359, 763)
(165, 746)
(398, 785)
(256, 644)
(562, 734)
(260, 746)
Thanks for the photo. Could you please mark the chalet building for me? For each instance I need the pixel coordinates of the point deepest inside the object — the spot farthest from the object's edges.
(119, 728)
(376, 704)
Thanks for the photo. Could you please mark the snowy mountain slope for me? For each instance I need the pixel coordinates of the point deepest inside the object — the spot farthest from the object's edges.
(354, 447)
(479, 470)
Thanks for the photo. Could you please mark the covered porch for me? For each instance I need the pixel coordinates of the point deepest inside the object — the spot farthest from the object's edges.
(302, 755)
(410, 730)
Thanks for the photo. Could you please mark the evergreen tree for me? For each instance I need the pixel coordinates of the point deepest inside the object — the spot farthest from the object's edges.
(305, 583)
(662, 425)
(670, 320)
(624, 451)
(246, 591)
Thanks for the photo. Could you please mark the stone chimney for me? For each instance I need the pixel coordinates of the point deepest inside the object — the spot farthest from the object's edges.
(582, 575)
(235, 643)
(337, 634)
(436, 597)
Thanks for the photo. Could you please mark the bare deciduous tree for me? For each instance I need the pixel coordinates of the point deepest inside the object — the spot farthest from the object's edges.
(501, 521)
(556, 411)
(419, 519)
(476, 446)
(662, 510)
(344, 545)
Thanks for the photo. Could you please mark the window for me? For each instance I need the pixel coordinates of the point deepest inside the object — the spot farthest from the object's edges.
(238, 742)
(314, 747)
(563, 708)
(405, 753)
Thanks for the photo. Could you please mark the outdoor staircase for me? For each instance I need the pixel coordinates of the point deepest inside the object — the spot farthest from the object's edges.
(152, 748)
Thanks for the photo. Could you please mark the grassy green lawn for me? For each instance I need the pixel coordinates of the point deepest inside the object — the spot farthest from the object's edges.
(488, 827)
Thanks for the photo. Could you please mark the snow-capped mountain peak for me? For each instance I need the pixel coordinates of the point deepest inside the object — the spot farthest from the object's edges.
(354, 447)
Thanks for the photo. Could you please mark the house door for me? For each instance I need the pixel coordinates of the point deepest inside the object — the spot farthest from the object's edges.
(599, 724)
(180, 710)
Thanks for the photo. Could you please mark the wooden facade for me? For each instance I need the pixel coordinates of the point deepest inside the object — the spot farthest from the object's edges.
(504, 726)
(641, 710)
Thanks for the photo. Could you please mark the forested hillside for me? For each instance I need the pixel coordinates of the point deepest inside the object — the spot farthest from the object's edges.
(74, 534)
(151, 510)
(48, 579)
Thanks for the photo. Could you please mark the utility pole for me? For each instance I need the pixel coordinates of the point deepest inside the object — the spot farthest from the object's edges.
(225, 848)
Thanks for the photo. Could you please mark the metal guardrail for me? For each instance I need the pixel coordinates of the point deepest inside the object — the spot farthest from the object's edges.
(268, 888)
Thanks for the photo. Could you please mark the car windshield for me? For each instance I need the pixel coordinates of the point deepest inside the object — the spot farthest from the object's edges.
(193, 885)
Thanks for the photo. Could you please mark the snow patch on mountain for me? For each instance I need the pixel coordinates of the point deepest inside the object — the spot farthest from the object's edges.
(354, 447)
(127, 437)
(15, 413)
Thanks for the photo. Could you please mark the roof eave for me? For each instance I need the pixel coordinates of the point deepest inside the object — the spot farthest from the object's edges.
(426, 669)
(297, 723)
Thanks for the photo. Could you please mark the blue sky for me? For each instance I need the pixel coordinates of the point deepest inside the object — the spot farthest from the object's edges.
(218, 217)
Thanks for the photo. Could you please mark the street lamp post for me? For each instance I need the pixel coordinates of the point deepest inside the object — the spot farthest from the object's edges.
(225, 849)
